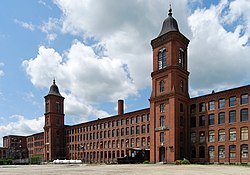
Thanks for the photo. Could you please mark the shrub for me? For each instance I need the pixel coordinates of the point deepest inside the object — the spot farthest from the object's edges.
(178, 162)
(146, 162)
(185, 162)
(36, 160)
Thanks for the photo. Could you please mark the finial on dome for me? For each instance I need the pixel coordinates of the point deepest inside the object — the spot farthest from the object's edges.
(170, 10)
(54, 80)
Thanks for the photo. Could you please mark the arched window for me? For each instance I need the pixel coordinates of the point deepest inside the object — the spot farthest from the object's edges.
(162, 59)
(232, 133)
(221, 151)
(211, 136)
(244, 133)
(162, 86)
(244, 151)
(182, 86)
(221, 136)
(181, 58)
(211, 152)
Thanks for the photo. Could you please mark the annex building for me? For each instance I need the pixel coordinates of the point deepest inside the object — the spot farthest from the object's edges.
(212, 128)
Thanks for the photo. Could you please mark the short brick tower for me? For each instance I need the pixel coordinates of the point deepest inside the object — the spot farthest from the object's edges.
(169, 97)
(54, 125)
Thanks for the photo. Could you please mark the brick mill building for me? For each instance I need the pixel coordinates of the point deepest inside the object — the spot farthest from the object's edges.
(212, 128)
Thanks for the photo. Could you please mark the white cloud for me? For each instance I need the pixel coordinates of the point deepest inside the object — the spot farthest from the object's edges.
(83, 77)
(26, 25)
(120, 62)
(222, 60)
(21, 126)
(50, 27)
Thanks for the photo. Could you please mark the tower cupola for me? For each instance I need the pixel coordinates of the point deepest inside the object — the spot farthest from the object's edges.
(169, 24)
(54, 90)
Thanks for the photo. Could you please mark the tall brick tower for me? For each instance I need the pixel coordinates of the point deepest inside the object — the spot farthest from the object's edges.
(54, 125)
(169, 97)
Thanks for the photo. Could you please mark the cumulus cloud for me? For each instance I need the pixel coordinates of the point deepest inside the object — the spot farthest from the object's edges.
(84, 77)
(119, 61)
(21, 126)
(222, 60)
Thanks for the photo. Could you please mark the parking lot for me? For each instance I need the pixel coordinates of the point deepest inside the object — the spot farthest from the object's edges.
(135, 169)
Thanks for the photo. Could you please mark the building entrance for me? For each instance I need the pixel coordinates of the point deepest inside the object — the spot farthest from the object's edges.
(162, 154)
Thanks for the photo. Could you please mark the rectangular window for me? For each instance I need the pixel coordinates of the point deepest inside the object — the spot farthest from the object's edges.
(221, 137)
(181, 107)
(202, 120)
(221, 103)
(221, 152)
(202, 107)
(148, 128)
(137, 119)
(244, 115)
(137, 130)
(143, 129)
(232, 101)
(211, 137)
(211, 119)
(161, 137)
(127, 121)
(122, 132)
(232, 116)
(232, 136)
(143, 118)
(127, 131)
(244, 99)
(148, 117)
(193, 137)
(202, 137)
(58, 107)
(193, 108)
(232, 150)
(162, 107)
(122, 122)
(162, 121)
(181, 58)
(211, 106)
(244, 151)
(132, 130)
(221, 118)
(193, 122)
(132, 120)
(211, 152)
(118, 133)
(118, 123)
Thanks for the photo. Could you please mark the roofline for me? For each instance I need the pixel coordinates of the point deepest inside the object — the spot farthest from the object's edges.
(106, 118)
(220, 92)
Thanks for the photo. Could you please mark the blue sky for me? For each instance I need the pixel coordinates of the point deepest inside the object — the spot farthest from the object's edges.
(99, 52)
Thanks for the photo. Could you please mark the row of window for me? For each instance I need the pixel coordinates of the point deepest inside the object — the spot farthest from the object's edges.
(162, 86)
(221, 118)
(87, 156)
(128, 143)
(221, 103)
(162, 58)
(232, 135)
(111, 124)
(232, 151)
(143, 129)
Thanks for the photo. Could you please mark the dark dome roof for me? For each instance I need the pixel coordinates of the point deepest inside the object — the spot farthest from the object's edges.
(169, 24)
(54, 90)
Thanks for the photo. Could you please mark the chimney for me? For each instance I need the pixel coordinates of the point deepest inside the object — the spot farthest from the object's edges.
(120, 107)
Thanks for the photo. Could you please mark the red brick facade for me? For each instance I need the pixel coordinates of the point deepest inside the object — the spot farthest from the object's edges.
(213, 128)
